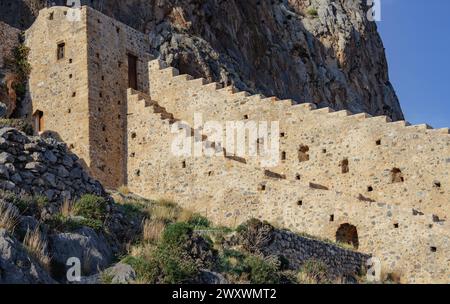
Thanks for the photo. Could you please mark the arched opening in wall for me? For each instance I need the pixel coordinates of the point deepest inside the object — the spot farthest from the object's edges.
(344, 166)
(347, 234)
(303, 153)
(38, 121)
(397, 176)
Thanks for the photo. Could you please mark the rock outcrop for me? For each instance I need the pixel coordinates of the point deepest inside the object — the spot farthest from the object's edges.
(16, 266)
(319, 51)
(39, 166)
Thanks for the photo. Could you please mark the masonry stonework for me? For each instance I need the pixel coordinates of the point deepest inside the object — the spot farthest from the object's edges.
(381, 186)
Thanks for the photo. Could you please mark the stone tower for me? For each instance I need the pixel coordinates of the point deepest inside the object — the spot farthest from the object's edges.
(83, 62)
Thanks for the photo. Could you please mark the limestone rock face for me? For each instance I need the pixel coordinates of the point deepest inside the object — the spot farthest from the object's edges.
(16, 266)
(320, 51)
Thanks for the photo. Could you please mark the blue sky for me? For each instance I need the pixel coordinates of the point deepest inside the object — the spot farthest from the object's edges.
(416, 35)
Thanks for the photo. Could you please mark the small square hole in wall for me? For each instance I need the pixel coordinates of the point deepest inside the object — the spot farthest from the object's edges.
(97, 55)
(99, 110)
(378, 142)
(103, 77)
(299, 203)
(396, 225)
(437, 184)
(210, 173)
(297, 176)
(262, 187)
(70, 60)
(74, 94)
(132, 154)
(69, 111)
(71, 146)
(332, 218)
(118, 102)
(70, 76)
(118, 116)
(183, 164)
(120, 64)
(65, 13)
(433, 249)
(117, 30)
(246, 116)
(106, 140)
(282, 134)
(103, 128)
(100, 94)
(133, 135)
(51, 16)
(369, 189)
(324, 151)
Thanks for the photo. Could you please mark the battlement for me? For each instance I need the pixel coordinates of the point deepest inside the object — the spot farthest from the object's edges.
(381, 186)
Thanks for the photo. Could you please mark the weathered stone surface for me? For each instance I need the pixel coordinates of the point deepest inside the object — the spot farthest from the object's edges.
(16, 266)
(41, 172)
(84, 244)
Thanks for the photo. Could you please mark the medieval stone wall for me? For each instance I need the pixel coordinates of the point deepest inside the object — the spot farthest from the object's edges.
(408, 242)
(83, 95)
(382, 187)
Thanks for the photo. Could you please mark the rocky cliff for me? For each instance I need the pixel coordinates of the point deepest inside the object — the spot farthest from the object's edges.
(321, 51)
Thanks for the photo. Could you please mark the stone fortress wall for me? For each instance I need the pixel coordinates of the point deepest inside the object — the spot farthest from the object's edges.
(82, 95)
(381, 186)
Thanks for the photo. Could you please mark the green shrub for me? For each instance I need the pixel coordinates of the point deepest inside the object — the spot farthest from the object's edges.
(176, 234)
(146, 269)
(199, 221)
(175, 264)
(262, 271)
(91, 207)
(232, 261)
(313, 272)
(67, 224)
(312, 12)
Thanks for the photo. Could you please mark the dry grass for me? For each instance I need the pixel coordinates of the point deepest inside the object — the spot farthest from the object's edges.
(185, 215)
(152, 230)
(66, 208)
(9, 216)
(166, 213)
(124, 190)
(36, 246)
(144, 250)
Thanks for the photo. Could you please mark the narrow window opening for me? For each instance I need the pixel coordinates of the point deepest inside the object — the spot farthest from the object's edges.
(183, 164)
(61, 51)
(283, 155)
(38, 121)
(303, 153)
(397, 176)
(132, 72)
(332, 218)
(70, 76)
(74, 94)
(262, 187)
(324, 151)
(344, 166)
